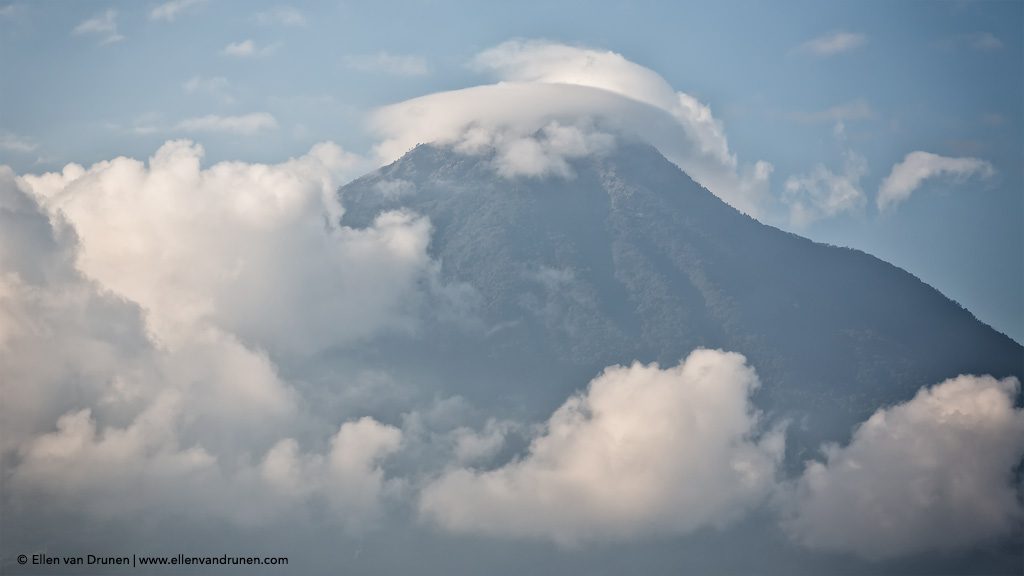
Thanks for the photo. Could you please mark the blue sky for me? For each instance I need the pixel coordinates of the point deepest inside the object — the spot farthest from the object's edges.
(850, 87)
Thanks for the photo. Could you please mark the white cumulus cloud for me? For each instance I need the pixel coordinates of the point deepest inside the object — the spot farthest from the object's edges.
(348, 476)
(143, 307)
(908, 175)
(254, 248)
(643, 450)
(932, 474)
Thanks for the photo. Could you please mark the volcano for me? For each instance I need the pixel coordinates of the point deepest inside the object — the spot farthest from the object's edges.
(628, 258)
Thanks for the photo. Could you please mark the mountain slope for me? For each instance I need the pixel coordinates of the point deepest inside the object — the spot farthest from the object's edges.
(631, 259)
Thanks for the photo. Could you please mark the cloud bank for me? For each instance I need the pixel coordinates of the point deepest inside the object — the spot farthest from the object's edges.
(641, 451)
(138, 303)
(916, 167)
(143, 307)
(594, 93)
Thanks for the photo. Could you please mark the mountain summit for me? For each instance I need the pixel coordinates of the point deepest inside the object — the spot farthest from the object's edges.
(628, 259)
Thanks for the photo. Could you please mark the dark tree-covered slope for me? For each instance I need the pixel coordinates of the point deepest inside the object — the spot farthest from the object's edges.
(631, 259)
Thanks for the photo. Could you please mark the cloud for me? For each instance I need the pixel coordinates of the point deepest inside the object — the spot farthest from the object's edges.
(854, 110)
(10, 10)
(975, 41)
(283, 15)
(985, 42)
(115, 471)
(68, 344)
(144, 308)
(50, 318)
(932, 474)
(254, 248)
(150, 311)
(590, 90)
(832, 44)
(993, 119)
(472, 447)
(245, 124)
(347, 476)
(546, 63)
(543, 154)
(386, 63)
(824, 194)
(103, 26)
(908, 175)
(169, 11)
(249, 49)
(14, 143)
(216, 86)
(641, 451)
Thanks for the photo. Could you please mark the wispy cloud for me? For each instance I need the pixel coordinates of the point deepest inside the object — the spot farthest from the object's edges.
(245, 124)
(985, 42)
(12, 142)
(916, 167)
(833, 43)
(823, 193)
(386, 63)
(979, 41)
(282, 15)
(993, 119)
(249, 49)
(168, 11)
(102, 26)
(217, 86)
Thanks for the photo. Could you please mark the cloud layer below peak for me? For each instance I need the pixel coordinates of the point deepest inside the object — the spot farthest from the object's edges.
(643, 450)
